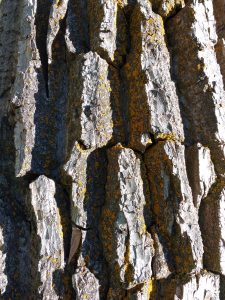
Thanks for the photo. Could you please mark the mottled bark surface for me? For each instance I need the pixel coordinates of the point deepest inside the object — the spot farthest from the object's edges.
(112, 149)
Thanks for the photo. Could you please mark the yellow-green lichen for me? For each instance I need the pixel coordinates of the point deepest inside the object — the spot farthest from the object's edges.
(149, 288)
(165, 136)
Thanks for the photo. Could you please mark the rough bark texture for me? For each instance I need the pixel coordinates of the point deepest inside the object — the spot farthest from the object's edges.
(112, 142)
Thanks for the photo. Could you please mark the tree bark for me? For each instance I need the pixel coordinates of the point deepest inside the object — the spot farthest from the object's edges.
(112, 142)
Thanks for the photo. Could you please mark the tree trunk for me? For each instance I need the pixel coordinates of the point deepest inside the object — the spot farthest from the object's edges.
(112, 138)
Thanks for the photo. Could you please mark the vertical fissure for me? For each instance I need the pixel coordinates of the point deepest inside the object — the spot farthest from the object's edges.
(41, 23)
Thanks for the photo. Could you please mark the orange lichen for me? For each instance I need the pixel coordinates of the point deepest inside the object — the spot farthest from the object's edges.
(110, 293)
(118, 147)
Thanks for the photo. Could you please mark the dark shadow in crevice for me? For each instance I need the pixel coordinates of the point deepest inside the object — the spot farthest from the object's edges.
(41, 23)
(219, 8)
(91, 248)
(209, 222)
(58, 95)
(222, 287)
(148, 207)
(135, 108)
(156, 9)
(43, 152)
(167, 288)
(48, 153)
(118, 82)
(124, 105)
(116, 94)
(77, 24)
(166, 255)
(8, 50)
(123, 41)
(21, 242)
(173, 71)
